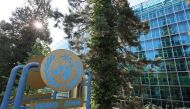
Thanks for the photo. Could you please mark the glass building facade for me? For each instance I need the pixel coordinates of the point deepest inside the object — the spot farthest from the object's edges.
(166, 83)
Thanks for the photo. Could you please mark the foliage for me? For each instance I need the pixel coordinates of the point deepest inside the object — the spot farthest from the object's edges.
(19, 38)
(107, 29)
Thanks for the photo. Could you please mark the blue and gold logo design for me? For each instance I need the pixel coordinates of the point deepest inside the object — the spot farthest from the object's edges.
(61, 70)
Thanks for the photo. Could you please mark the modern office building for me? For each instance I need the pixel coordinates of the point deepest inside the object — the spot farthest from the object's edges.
(167, 83)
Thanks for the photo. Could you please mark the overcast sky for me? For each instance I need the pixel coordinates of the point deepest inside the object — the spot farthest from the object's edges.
(7, 6)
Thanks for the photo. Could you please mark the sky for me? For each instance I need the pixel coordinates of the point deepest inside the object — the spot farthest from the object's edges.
(7, 6)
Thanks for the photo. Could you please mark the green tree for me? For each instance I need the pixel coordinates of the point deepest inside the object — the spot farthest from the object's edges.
(19, 36)
(106, 29)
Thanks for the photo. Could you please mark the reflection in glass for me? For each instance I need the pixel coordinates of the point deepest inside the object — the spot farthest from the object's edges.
(162, 77)
(155, 92)
(186, 50)
(168, 9)
(160, 12)
(164, 31)
(178, 6)
(175, 93)
(141, 46)
(134, 49)
(141, 55)
(166, 42)
(183, 27)
(150, 55)
(153, 23)
(180, 16)
(188, 62)
(186, 94)
(144, 17)
(145, 79)
(142, 37)
(153, 78)
(149, 45)
(178, 51)
(170, 65)
(185, 38)
(164, 92)
(162, 21)
(167, 53)
(175, 40)
(147, 36)
(170, 19)
(155, 33)
(184, 78)
(146, 92)
(158, 53)
(172, 78)
(157, 43)
(173, 29)
(188, 14)
(181, 65)
(152, 14)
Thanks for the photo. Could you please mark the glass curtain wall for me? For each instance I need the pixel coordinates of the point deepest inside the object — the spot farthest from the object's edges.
(168, 84)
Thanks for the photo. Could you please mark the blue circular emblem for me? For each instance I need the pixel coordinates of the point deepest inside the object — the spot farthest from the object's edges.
(61, 70)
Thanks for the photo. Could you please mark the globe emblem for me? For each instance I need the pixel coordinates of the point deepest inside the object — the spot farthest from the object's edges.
(61, 70)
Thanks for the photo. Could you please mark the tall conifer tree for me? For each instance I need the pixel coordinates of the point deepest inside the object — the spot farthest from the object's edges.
(111, 28)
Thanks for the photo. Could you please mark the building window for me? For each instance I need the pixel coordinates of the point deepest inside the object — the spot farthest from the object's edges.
(134, 49)
(167, 53)
(162, 21)
(172, 78)
(186, 50)
(188, 63)
(160, 12)
(157, 44)
(186, 93)
(178, 6)
(150, 55)
(185, 38)
(170, 19)
(142, 55)
(184, 78)
(148, 36)
(166, 42)
(175, 40)
(162, 77)
(175, 93)
(146, 92)
(152, 14)
(144, 17)
(183, 27)
(142, 46)
(142, 37)
(158, 53)
(180, 16)
(155, 92)
(181, 65)
(188, 14)
(168, 9)
(153, 78)
(165, 92)
(164, 31)
(170, 65)
(145, 79)
(155, 33)
(173, 29)
(149, 45)
(178, 51)
(153, 23)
